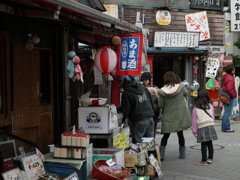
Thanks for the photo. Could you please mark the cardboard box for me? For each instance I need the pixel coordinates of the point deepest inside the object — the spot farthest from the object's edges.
(130, 160)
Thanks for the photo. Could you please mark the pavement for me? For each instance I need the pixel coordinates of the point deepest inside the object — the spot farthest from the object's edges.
(226, 162)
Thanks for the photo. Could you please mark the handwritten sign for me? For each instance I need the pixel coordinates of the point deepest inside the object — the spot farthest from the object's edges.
(176, 39)
(198, 22)
(13, 174)
(33, 166)
(212, 67)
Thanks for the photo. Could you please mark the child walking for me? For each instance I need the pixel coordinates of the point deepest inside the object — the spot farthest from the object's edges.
(203, 126)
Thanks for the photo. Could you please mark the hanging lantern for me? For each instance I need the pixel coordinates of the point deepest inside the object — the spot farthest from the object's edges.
(116, 40)
(105, 60)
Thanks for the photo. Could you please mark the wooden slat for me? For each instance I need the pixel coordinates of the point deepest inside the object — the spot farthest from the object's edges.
(215, 19)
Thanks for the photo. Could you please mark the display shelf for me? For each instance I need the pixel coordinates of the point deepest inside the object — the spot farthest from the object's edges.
(63, 146)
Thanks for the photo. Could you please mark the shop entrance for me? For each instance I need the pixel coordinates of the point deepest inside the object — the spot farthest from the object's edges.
(163, 64)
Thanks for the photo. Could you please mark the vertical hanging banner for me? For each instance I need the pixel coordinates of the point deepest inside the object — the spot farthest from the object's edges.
(129, 55)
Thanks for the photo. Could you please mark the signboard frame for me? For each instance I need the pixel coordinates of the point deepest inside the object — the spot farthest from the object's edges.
(235, 25)
(214, 7)
(160, 43)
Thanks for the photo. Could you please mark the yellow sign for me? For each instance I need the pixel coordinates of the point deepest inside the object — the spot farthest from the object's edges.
(120, 140)
(116, 141)
(194, 93)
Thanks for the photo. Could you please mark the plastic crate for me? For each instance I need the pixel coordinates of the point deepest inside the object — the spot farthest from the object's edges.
(65, 169)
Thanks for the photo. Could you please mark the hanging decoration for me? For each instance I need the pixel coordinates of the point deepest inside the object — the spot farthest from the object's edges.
(195, 66)
(129, 54)
(116, 40)
(105, 60)
(73, 69)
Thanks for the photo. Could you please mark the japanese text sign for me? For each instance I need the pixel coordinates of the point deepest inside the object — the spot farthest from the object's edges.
(198, 22)
(212, 67)
(33, 166)
(235, 15)
(129, 54)
(176, 39)
(207, 4)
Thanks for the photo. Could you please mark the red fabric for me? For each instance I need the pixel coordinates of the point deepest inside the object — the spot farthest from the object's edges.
(228, 85)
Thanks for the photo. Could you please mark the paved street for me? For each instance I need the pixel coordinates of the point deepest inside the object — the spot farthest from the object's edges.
(226, 163)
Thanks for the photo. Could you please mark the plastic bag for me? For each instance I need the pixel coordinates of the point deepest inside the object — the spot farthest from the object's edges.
(85, 101)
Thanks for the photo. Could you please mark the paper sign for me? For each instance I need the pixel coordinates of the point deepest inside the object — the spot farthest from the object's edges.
(89, 159)
(198, 22)
(39, 154)
(72, 176)
(154, 162)
(13, 174)
(33, 166)
(212, 67)
(123, 140)
(116, 141)
(110, 162)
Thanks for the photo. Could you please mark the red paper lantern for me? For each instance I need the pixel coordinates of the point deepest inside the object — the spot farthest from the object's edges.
(105, 60)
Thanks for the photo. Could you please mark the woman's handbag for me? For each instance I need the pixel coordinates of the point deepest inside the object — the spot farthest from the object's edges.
(224, 97)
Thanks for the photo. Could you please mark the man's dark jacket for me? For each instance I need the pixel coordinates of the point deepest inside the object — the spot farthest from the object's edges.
(136, 102)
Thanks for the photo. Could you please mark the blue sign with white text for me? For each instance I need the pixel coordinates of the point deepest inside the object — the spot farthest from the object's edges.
(129, 53)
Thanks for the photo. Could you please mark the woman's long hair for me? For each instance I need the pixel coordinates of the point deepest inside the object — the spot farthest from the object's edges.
(170, 79)
(203, 100)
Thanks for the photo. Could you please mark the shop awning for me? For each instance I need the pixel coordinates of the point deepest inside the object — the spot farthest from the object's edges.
(176, 51)
(94, 15)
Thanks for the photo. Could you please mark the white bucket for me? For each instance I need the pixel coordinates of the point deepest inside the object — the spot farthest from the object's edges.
(52, 147)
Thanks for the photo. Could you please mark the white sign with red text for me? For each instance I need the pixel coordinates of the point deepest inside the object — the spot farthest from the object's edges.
(198, 22)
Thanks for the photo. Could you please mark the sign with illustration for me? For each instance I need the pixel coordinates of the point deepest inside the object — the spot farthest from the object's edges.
(198, 22)
(207, 4)
(163, 17)
(93, 120)
(129, 53)
(212, 67)
(176, 39)
(33, 166)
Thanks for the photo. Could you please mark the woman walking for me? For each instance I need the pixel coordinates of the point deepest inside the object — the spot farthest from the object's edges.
(175, 115)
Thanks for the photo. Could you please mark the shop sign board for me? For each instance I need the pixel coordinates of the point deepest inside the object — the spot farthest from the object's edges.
(129, 54)
(33, 166)
(176, 39)
(198, 22)
(235, 17)
(163, 17)
(207, 4)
